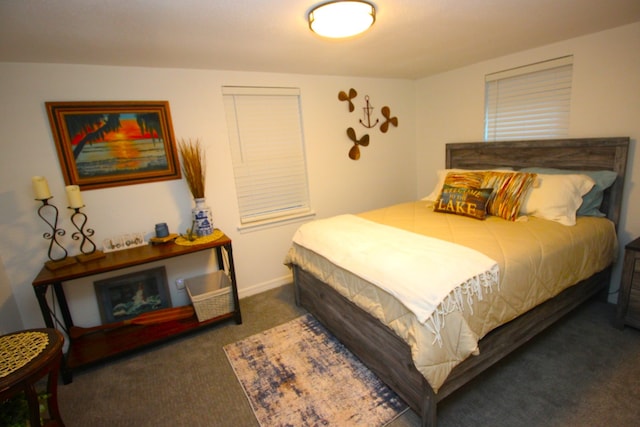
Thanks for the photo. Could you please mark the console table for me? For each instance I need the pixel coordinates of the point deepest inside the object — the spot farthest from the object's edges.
(92, 348)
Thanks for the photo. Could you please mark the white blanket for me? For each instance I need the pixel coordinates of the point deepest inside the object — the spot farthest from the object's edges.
(429, 276)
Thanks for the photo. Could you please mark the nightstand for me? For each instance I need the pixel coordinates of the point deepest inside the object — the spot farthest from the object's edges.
(629, 294)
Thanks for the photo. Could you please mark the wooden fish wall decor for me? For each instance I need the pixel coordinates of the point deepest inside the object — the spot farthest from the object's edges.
(368, 121)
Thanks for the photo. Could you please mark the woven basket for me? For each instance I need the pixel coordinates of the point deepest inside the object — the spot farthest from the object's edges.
(210, 295)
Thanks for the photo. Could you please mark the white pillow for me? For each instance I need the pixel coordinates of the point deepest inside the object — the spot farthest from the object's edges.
(441, 175)
(557, 197)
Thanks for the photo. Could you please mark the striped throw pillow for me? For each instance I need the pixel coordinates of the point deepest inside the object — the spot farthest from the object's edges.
(468, 179)
(509, 192)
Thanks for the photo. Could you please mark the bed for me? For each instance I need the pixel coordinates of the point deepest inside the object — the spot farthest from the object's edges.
(383, 345)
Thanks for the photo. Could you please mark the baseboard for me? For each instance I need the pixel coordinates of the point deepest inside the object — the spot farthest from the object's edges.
(265, 286)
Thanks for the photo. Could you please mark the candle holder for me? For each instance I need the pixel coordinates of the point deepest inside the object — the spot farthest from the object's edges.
(87, 247)
(60, 260)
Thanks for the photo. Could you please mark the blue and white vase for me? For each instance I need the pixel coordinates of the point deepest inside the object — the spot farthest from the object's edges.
(202, 219)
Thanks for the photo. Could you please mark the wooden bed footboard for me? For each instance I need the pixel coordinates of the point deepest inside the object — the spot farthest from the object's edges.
(377, 346)
(389, 357)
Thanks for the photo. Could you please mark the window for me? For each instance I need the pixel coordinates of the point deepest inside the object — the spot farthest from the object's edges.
(267, 149)
(529, 102)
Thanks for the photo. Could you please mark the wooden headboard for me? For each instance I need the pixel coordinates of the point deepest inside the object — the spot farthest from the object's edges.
(574, 153)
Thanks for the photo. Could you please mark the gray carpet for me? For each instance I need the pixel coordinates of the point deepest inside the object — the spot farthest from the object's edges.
(582, 372)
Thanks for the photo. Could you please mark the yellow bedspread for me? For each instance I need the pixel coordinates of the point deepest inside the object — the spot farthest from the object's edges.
(537, 258)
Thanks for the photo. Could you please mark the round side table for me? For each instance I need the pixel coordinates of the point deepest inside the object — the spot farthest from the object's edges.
(25, 358)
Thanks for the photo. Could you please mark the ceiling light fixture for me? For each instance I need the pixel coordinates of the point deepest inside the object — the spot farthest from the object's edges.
(342, 18)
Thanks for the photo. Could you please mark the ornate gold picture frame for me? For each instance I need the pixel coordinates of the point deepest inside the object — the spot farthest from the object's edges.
(108, 144)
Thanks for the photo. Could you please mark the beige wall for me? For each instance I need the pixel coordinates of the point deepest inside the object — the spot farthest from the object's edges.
(384, 174)
(605, 101)
(10, 319)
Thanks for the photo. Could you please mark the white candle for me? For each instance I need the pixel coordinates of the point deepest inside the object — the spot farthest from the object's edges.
(41, 187)
(74, 197)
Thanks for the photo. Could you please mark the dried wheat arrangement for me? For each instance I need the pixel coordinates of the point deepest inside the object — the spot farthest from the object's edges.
(193, 166)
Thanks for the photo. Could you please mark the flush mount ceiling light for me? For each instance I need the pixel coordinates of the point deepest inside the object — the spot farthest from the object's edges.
(339, 19)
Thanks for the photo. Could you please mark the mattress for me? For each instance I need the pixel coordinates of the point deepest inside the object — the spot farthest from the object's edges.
(537, 258)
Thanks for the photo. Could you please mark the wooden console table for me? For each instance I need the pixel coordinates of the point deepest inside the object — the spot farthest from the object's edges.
(92, 348)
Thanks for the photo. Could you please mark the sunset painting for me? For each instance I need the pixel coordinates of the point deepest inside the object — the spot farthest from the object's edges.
(110, 145)
(134, 145)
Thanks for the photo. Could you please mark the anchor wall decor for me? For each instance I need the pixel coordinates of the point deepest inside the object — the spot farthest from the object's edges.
(368, 109)
(368, 121)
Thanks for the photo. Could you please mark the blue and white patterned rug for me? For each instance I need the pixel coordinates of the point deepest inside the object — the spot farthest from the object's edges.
(298, 374)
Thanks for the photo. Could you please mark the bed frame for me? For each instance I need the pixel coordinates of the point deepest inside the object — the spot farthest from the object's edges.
(390, 357)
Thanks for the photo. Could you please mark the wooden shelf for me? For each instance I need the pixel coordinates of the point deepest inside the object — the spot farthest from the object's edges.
(98, 346)
(122, 259)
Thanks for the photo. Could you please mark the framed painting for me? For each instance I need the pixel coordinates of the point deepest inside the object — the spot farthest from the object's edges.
(107, 144)
(127, 296)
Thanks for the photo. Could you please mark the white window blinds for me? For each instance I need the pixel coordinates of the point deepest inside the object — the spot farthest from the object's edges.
(529, 102)
(267, 148)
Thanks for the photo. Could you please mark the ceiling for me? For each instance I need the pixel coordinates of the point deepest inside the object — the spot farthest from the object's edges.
(410, 38)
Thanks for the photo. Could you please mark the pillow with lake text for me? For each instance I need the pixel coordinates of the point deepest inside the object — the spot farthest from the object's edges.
(466, 201)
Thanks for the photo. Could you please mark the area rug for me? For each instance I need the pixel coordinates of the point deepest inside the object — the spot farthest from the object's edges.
(298, 374)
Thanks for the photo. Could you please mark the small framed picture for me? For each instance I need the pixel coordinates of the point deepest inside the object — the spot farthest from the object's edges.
(127, 296)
